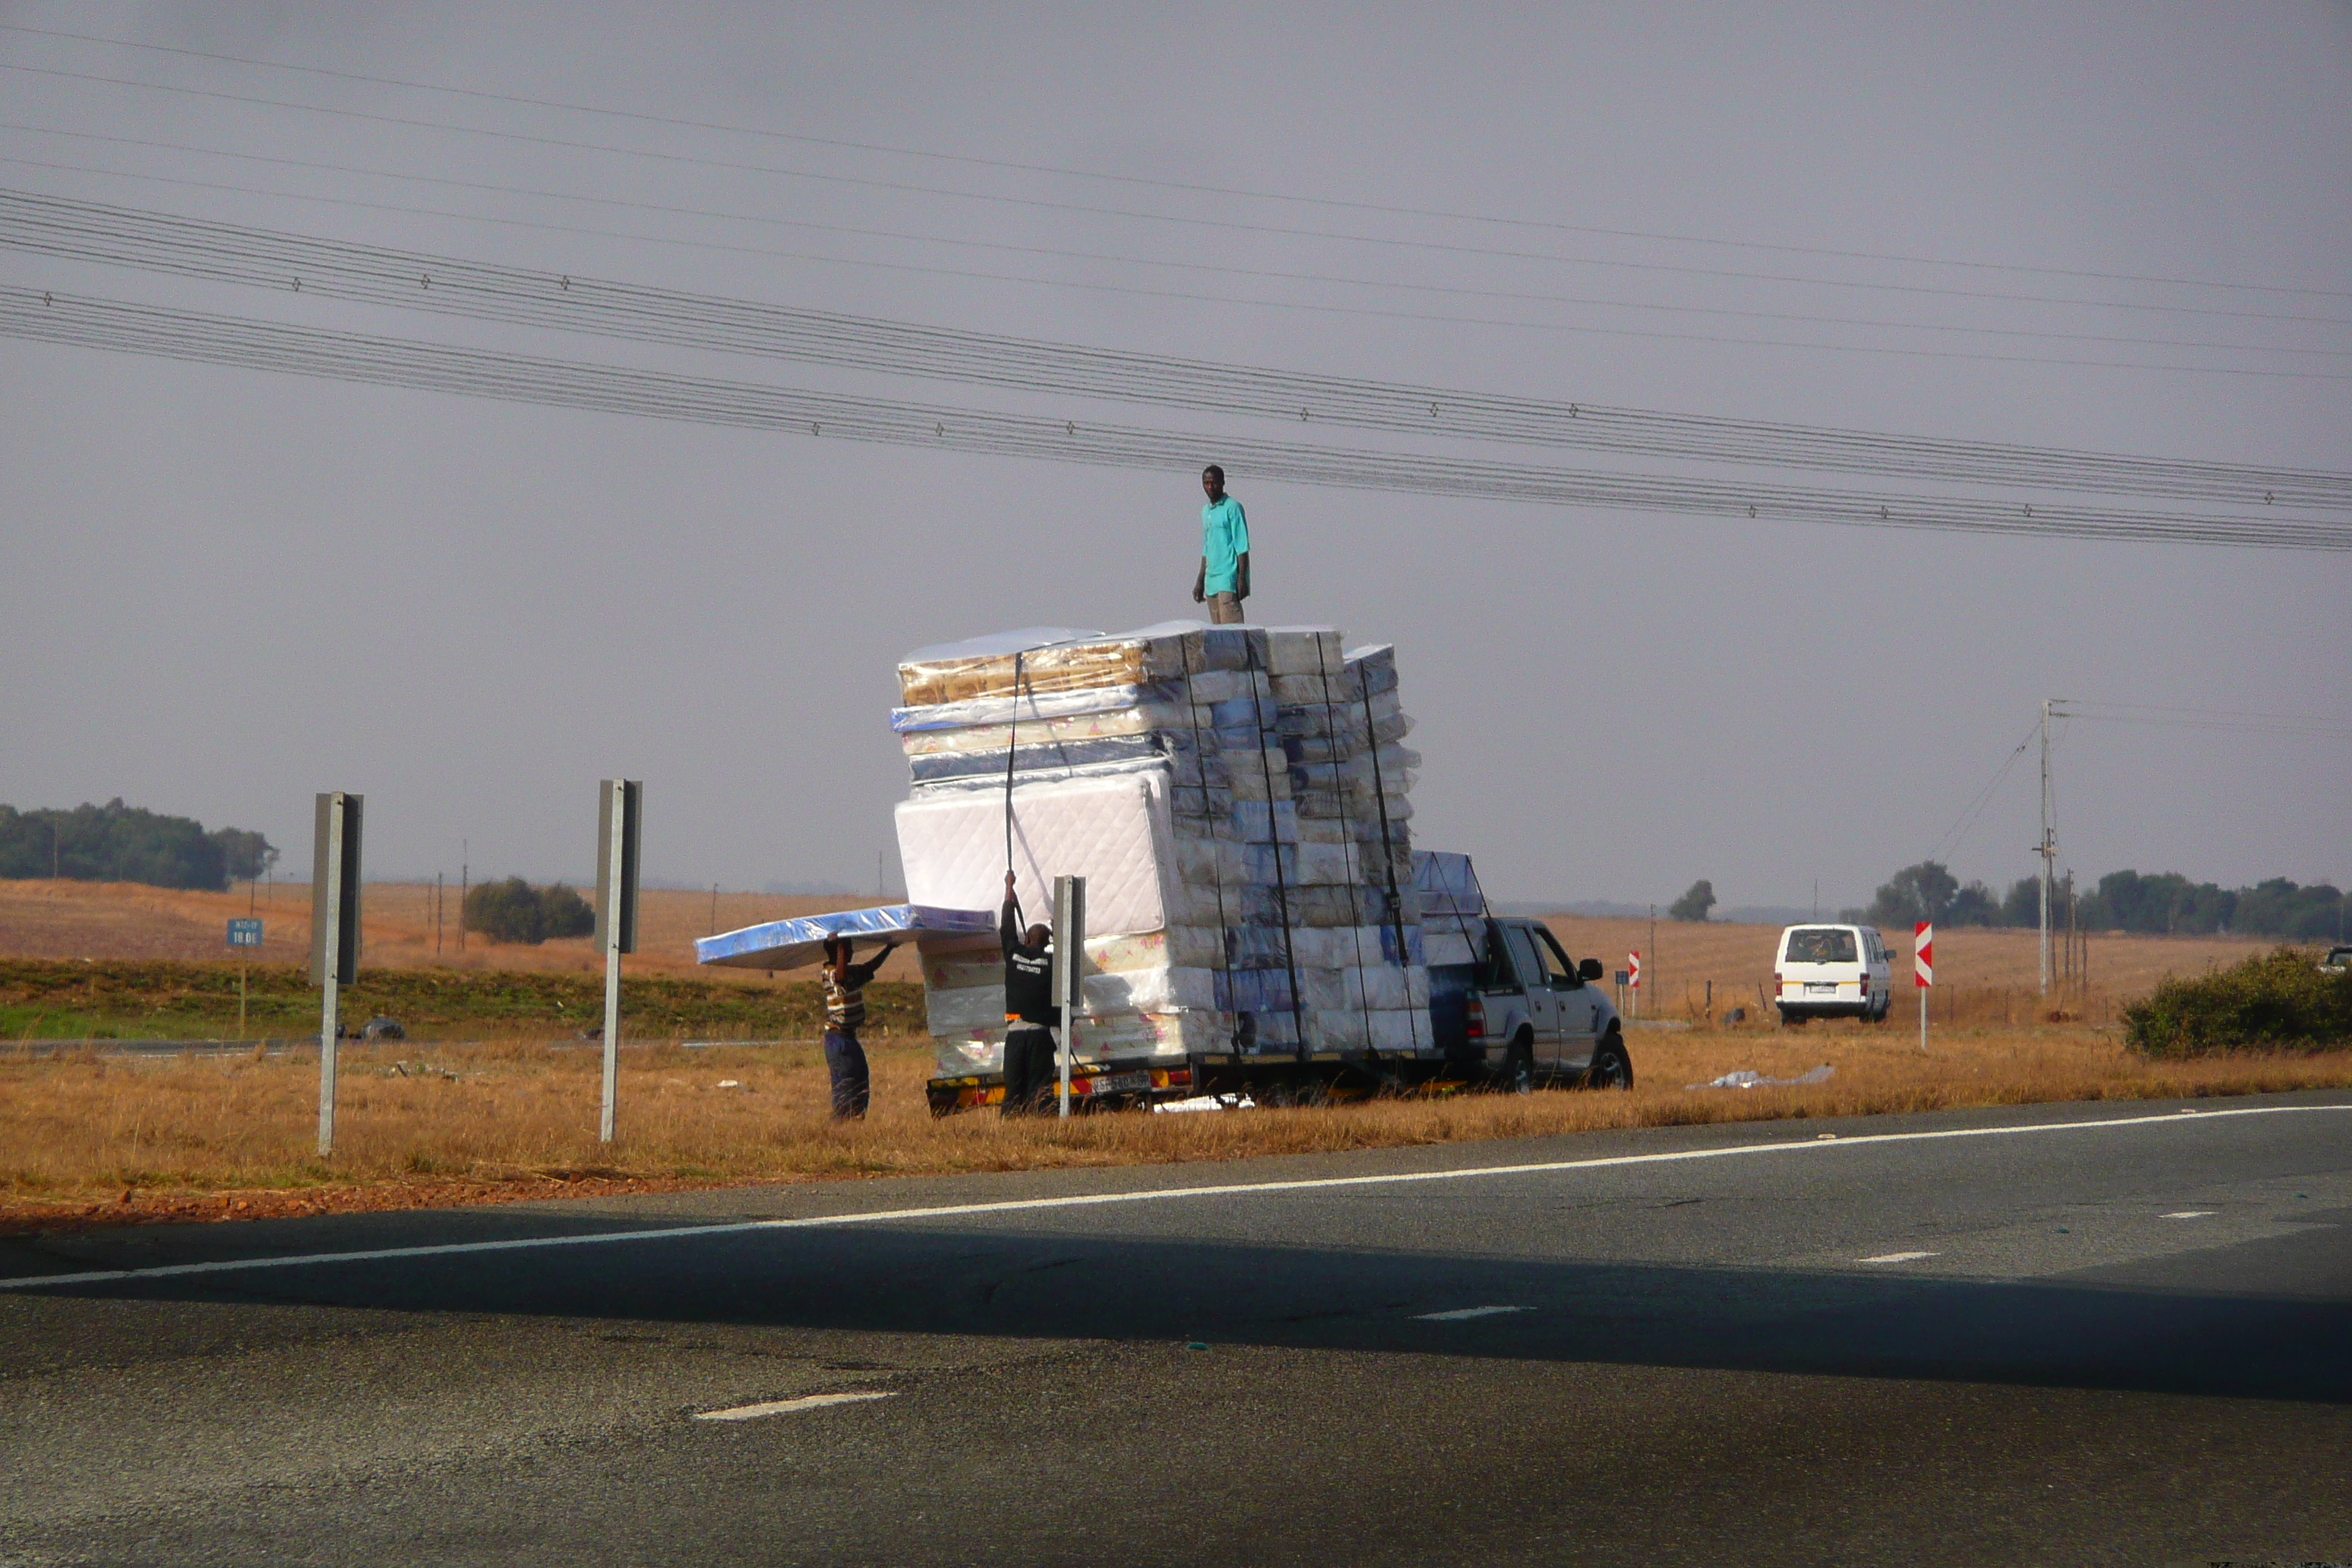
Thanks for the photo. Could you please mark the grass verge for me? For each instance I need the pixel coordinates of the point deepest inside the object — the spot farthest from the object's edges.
(126, 1000)
(87, 1140)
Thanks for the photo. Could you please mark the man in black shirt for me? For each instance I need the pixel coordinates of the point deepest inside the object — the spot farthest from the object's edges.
(1029, 1011)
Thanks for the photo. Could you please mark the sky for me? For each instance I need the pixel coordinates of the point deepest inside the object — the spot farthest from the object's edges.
(227, 589)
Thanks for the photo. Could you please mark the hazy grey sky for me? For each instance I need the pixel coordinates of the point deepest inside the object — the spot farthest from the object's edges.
(224, 590)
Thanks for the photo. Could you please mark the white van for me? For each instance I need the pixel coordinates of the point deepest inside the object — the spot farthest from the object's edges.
(1833, 972)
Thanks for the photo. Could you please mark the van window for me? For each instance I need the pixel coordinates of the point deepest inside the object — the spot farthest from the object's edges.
(1821, 944)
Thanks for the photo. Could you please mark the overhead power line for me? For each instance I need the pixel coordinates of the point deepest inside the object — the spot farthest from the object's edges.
(273, 260)
(1139, 291)
(2242, 722)
(1949, 844)
(906, 187)
(1212, 269)
(1146, 182)
(203, 338)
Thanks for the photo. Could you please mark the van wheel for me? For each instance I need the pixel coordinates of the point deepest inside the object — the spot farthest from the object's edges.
(1611, 1067)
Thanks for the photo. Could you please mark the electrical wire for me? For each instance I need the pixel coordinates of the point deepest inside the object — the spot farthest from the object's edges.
(1949, 844)
(2250, 723)
(686, 160)
(75, 320)
(1182, 186)
(1135, 291)
(277, 260)
(670, 210)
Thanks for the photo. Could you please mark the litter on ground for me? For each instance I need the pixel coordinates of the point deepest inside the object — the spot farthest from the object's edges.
(1748, 1077)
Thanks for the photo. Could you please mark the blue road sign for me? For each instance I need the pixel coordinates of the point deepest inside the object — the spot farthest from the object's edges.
(244, 933)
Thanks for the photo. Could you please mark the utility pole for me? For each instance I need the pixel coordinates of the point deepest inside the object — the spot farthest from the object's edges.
(2048, 846)
(464, 870)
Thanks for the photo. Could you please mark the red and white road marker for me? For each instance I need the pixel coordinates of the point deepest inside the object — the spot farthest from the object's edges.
(1922, 969)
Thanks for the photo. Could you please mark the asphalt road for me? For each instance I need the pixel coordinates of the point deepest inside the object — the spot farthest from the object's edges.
(2099, 1333)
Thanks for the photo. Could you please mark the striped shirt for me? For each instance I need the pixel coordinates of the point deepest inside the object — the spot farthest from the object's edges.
(845, 994)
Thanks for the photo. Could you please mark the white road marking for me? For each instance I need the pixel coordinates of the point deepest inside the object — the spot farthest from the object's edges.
(1087, 1200)
(786, 1407)
(1462, 1314)
(2189, 1214)
(1898, 1258)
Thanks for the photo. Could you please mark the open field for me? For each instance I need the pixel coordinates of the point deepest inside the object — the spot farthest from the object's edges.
(92, 1139)
(1985, 974)
(44, 919)
(484, 1104)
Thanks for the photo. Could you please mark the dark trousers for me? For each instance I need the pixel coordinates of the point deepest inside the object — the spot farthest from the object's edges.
(844, 1059)
(1029, 1075)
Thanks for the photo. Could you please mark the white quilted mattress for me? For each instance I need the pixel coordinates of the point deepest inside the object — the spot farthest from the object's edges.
(1115, 832)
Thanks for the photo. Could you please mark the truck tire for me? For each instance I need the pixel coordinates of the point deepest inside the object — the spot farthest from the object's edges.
(1611, 1067)
(1519, 1067)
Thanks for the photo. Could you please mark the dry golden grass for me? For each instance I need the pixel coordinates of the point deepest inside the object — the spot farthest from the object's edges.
(219, 1137)
(213, 1137)
(44, 918)
(1983, 976)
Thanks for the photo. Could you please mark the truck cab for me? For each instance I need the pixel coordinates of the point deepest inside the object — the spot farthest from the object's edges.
(1525, 1013)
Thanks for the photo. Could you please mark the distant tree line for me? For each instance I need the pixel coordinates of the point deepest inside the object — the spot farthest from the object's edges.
(514, 911)
(118, 843)
(2123, 901)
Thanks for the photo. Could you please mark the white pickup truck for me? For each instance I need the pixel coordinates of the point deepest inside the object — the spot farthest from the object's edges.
(1526, 1013)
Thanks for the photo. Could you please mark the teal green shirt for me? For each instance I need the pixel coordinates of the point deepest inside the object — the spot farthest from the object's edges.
(1224, 539)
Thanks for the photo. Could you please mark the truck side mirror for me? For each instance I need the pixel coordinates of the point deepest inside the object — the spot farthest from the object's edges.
(1588, 970)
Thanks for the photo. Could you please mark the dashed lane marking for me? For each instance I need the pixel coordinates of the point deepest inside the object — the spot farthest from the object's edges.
(1897, 1257)
(1463, 1314)
(2189, 1214)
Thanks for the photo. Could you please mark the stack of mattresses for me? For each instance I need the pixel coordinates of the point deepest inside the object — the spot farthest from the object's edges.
(1238, 800)
(1453, 908)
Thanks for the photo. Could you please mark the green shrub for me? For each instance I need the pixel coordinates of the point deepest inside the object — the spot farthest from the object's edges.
(506, 911)
(2277, 1001)
(564, 912)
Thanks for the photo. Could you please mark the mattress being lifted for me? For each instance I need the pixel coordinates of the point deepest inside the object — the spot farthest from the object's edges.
(789, 944)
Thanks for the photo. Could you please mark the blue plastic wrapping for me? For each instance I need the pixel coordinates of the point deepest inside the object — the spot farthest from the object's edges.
(788, 945)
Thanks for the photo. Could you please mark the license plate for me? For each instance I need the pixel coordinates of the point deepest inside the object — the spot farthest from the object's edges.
(1821, 988)
(1118, 1082)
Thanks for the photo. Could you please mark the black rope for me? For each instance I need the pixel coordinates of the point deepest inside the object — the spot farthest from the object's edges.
(1012, 751)
(1216, 869)
(1355, 924)
(1388, 859)
(1274, 832)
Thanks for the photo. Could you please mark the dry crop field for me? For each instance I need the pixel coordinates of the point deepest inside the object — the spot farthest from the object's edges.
(90, 1138)
(44, 919)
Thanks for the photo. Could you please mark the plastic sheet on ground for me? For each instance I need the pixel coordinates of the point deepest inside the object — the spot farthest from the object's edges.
(788, 945)
(1748, 1077)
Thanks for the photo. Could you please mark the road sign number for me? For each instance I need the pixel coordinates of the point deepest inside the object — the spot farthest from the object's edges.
(244, 933)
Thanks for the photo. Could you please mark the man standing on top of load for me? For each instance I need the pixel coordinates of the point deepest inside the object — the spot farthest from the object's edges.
(1223, 581)
(1029, 1011)
(845, 1011)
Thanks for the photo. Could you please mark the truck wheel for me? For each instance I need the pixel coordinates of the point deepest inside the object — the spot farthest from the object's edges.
(1611, 1067)
(1519, 1067)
